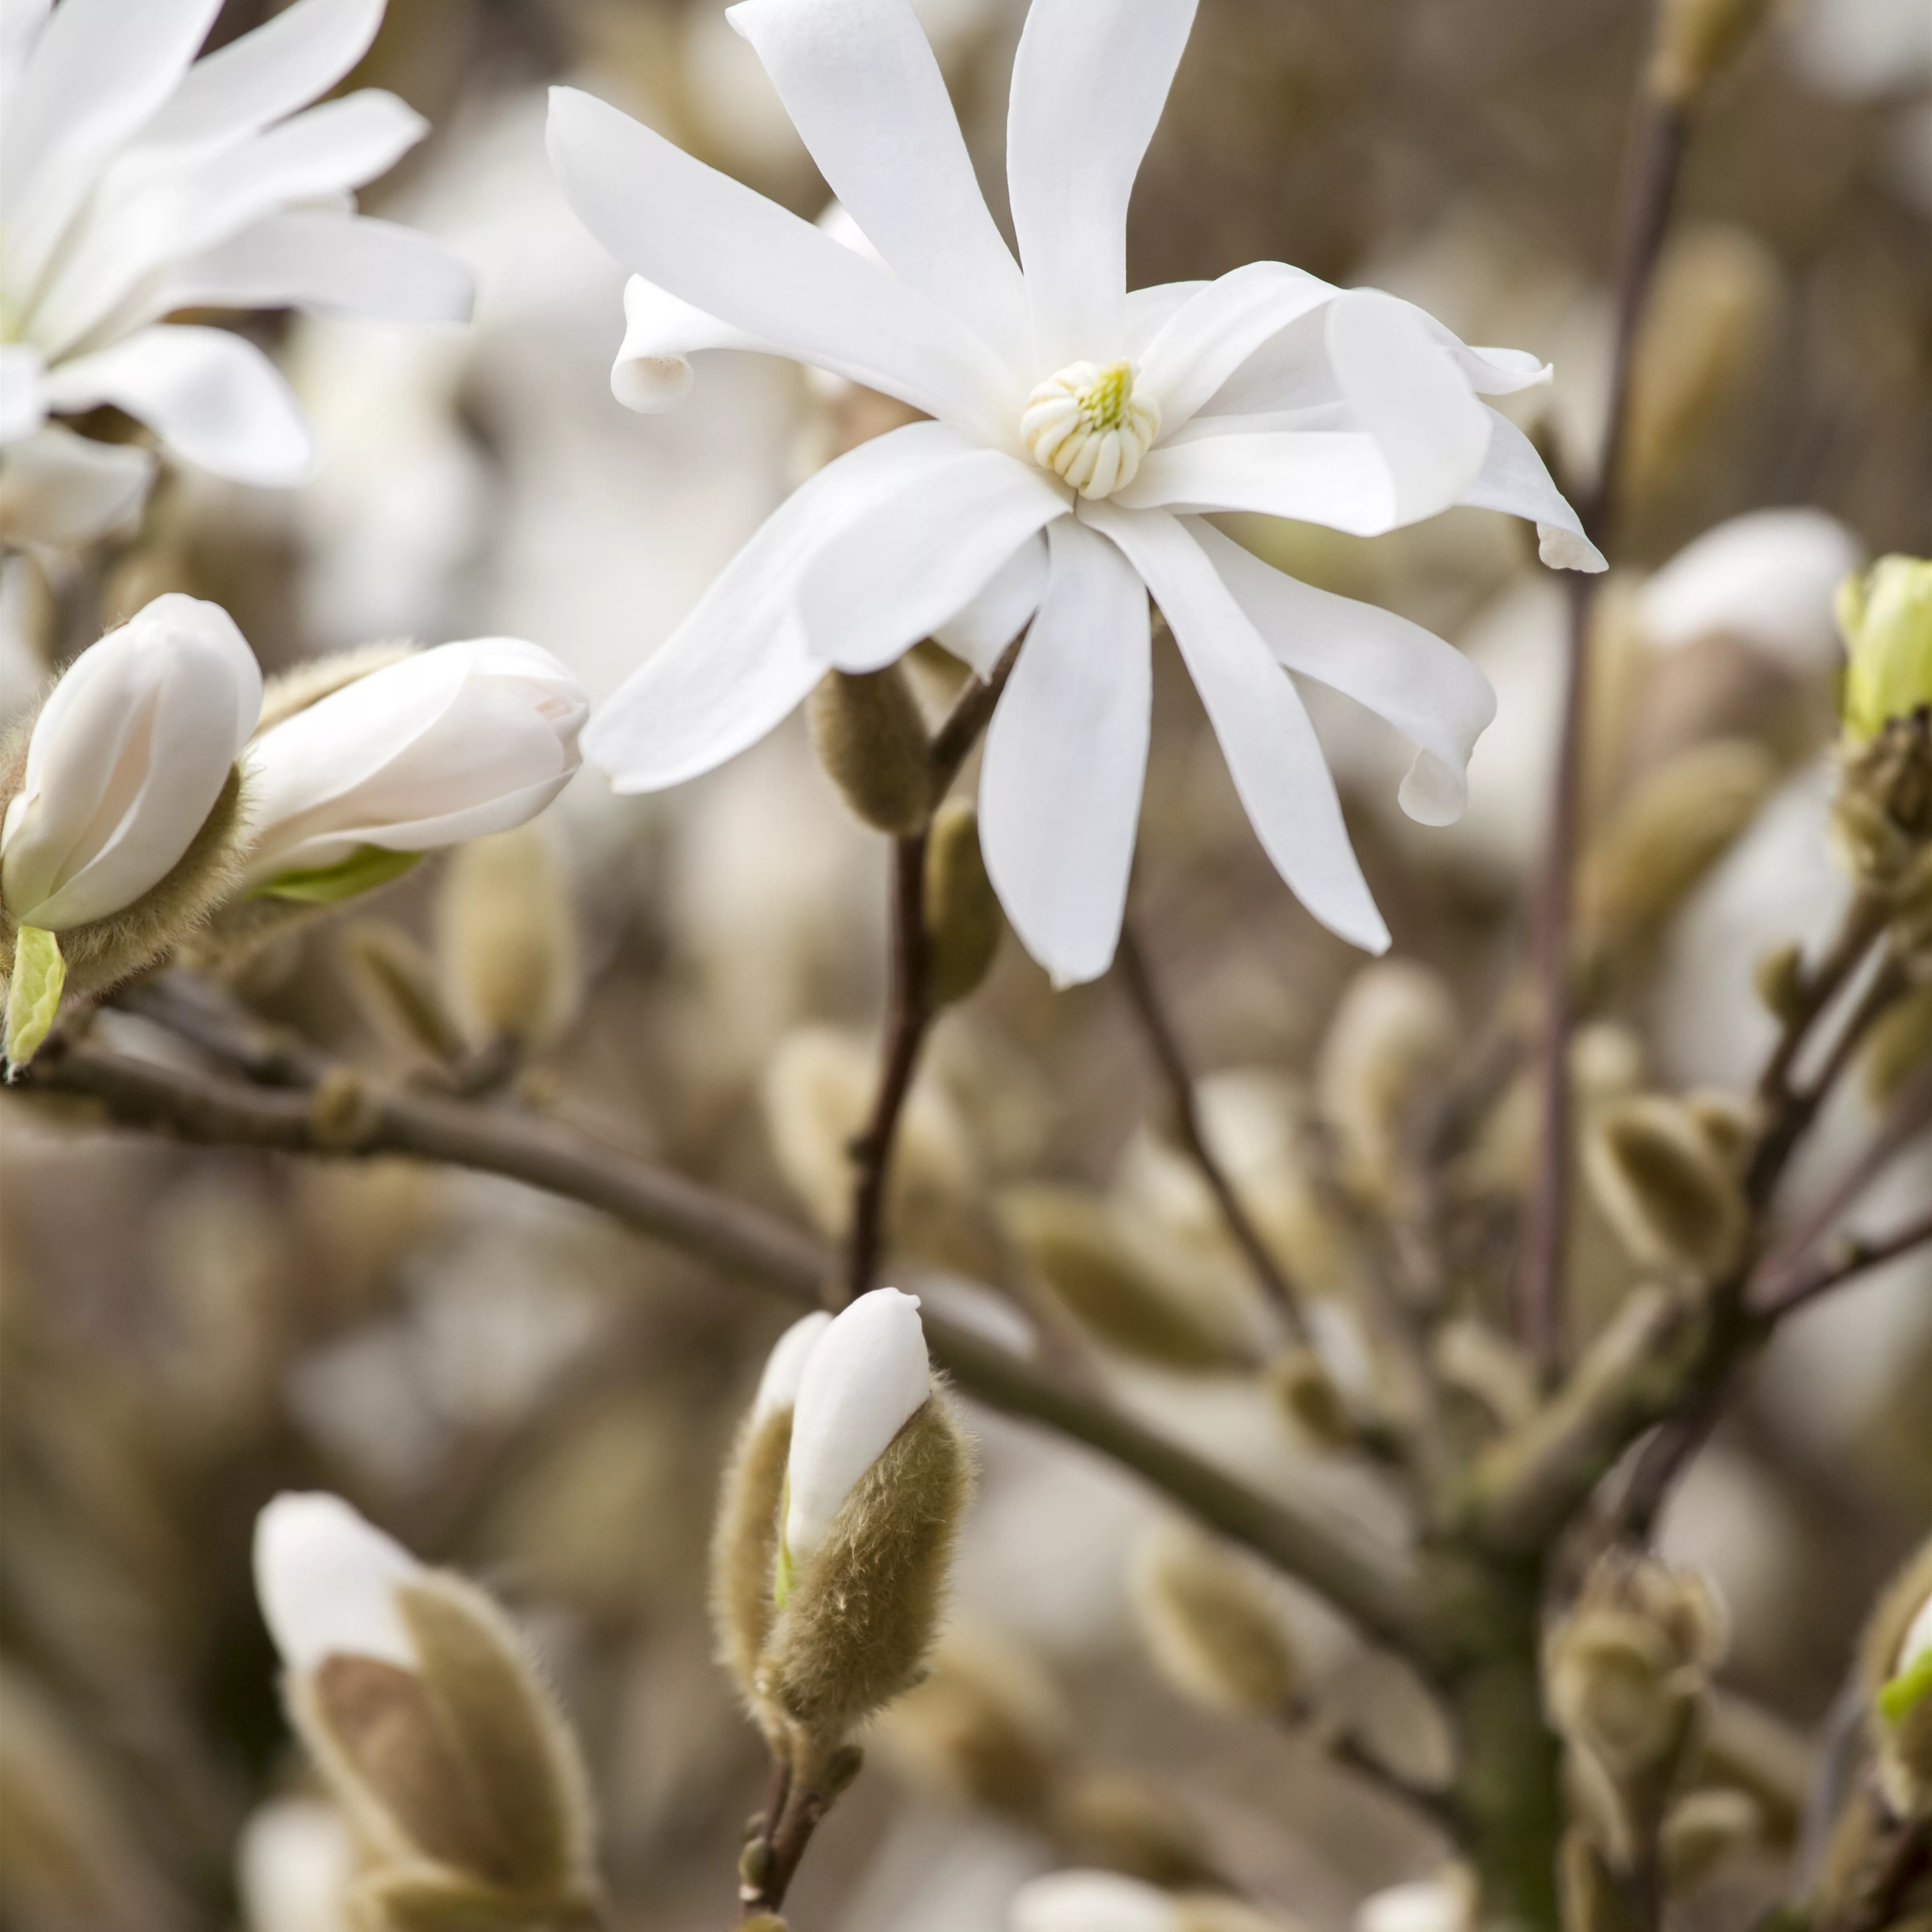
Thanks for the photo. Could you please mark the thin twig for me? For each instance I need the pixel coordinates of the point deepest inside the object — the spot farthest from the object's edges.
(1858, 1258)
(1145, 1000)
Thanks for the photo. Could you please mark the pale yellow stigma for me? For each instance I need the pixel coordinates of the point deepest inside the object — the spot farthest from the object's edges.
(1087, 424)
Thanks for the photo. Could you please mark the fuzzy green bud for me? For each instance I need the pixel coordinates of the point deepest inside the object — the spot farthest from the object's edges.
(963, 921)
(1885, 617)
(1671, 1196)
(872, 741)
(1707, 1829)
(1895, 1674)
(507, 937)
(1299, 1380)
(1213, 1628)
(1899, 1044)
(1779, 979)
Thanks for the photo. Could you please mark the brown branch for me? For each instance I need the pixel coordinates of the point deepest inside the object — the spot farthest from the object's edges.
(1145, 1000)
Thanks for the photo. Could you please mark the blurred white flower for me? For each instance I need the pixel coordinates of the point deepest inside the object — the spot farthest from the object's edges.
(1091, 1901)
(1080, 431)
(327, 1580)
(294, 1863)
(127, 759)
(447, 745)
(1444, 1904)
(866, 1375)
(135, 182)
(1857, 48)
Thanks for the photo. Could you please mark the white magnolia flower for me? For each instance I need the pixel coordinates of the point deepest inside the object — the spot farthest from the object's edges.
(865, 1377)
(126, 760)
(327, 1580)
(785, 1366)
(295, 1863)
(1443, 1904)
(1080, 432)
(446, 745)
(1091, 1901)
(136, 182)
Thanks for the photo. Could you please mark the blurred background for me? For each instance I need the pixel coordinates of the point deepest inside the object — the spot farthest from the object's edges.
(512, 1386)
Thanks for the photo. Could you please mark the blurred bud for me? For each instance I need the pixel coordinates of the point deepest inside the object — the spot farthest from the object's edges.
(1211, 1625)
(1895, 1673)
(876, 1480)
(429, 1723)
(1729, 1122)
(1779, 979)
(1898, 1044)
(1673, 1199)
(1445, 1903)
(506, 934)
(1104, 1901)
(341, 1109)
(1299, 1381)
(1074, 1247)
(1108, 1818)
(963, 920)
(1706, 1830)
(295, 1863)
(1593, 1899)
(986, 1726)
(442, 745)
(745, 1536)
(1696, 40)
(871, 741)
(762, 1922)
(1885, 618)
(1676, 823)
(1881, 817)
(396, 985)
(1395, 1030)
(1474, 1359)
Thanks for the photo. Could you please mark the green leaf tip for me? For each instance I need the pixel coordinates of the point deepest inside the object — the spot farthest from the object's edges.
(363, 871)
(33, 993)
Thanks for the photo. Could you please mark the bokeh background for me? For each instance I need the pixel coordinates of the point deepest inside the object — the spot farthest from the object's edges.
(511, 1385)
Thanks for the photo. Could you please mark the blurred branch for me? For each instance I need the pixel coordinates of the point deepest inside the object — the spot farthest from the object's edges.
(1165, 1045)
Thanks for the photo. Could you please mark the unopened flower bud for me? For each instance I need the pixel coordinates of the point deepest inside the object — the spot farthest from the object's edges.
(1479, 1363)
(122, 807)
(1899, 1044)
(1885, 617)
(963, 920)
(1673, 1199)
(1105, 1901)
(1593, 1898)
(440, 746)
(1696, 40)
(1108, 1818)
(1705, 1830)
(429, 1724)
(876, 1480)
(1301, 1381)
(1779, 978)
(1211, 1625)
(507, 937)
(1445, 1903)
(1895, 1671)
(396, 984)
(294, 1865)
(872, 741)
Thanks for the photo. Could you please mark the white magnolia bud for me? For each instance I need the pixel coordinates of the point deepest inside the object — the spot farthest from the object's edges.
(294, 1865)
(128, 757)
(1091, 1901)
(449, 744)
(866, 1376)
(327, 1580)
(785, 1366)
(1446, 1904)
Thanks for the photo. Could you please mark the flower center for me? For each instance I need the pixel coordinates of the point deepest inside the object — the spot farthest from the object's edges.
(1087, 424)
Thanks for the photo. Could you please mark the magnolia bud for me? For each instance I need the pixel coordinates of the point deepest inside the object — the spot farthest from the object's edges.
(1672, 1198)
(1882, 817)
(1696, 40)
(1780, 980)
(876, 1482)
(1211, 1625)
(122, 806)
(395, 984)
(1477, 1361)
(871, 740)
(441, 746)
(294, 1864)
(1105, 1901)
(1107, 1818)
(1706, 1830)
(963, 920)
(1895, 1672)
(1885, 617)
(1299, 1379)
(508, 939)
(1593, 1899)
(426, 1718)
(1445, 1903)
(1897, 1046)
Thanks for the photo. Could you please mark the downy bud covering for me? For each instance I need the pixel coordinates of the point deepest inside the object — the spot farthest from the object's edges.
(1885, 617)
(1671, 1196)
(508, 939)
(446, 745)
(1696, 40)
(432, 1730)
(872, 742)
(963, 920)
(1211, 1624)
(1895, 1670)
(1705, 1830)
(877, 1481)
(121, 806)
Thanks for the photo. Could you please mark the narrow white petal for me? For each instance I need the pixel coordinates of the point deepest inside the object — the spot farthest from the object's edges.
(979, 633)
(904, 566)
(1060, 789)
(23, 406)
(652, 372)
(1149, 310)
(1092, 1901)
(327, 1580)
(64, 490)
(785, 1366)
(865, 1377)
(738, 664)
(861, 85)
(1090, 80)
(1210, 335)
(1503, 372)
(209, 395)
(1514, 480)
(1427, 689)
(730, 252)
(1338, 477)
(1411, 394)
(1273, 754)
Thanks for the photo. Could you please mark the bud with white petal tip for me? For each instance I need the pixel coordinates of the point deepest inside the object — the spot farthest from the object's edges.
(1885, 617)
(1445, 1903)
(124, 807)
(424, 1714)
(1105, 1901)
(507, 937)
(1895, 1671)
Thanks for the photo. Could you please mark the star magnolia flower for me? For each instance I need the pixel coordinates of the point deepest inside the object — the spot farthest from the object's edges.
(133, 184)
(1080, 432)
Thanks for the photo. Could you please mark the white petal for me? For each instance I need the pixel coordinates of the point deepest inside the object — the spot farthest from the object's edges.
(209, 395)
(730, 252)
(978, 634)
(1209, 337)
(64, 490)
(866, 1376)
(98, 69)
(327, 1580)
(1425, 1905)
(1092, 1901)
(23, 406)
(1149, 310)
(1090, 80)
(1513, 479)
(295, 1863)
(1917, 1639)
(785, 1366)
(1411, 396)
(1768, 577)
(1338, 477)
(1427, 689)
(905, 566)
(1501, 372)
(861, 85)
(1273, 754)
(1060, 788)
(1290, 371)
(738, 663)
(653, 371)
